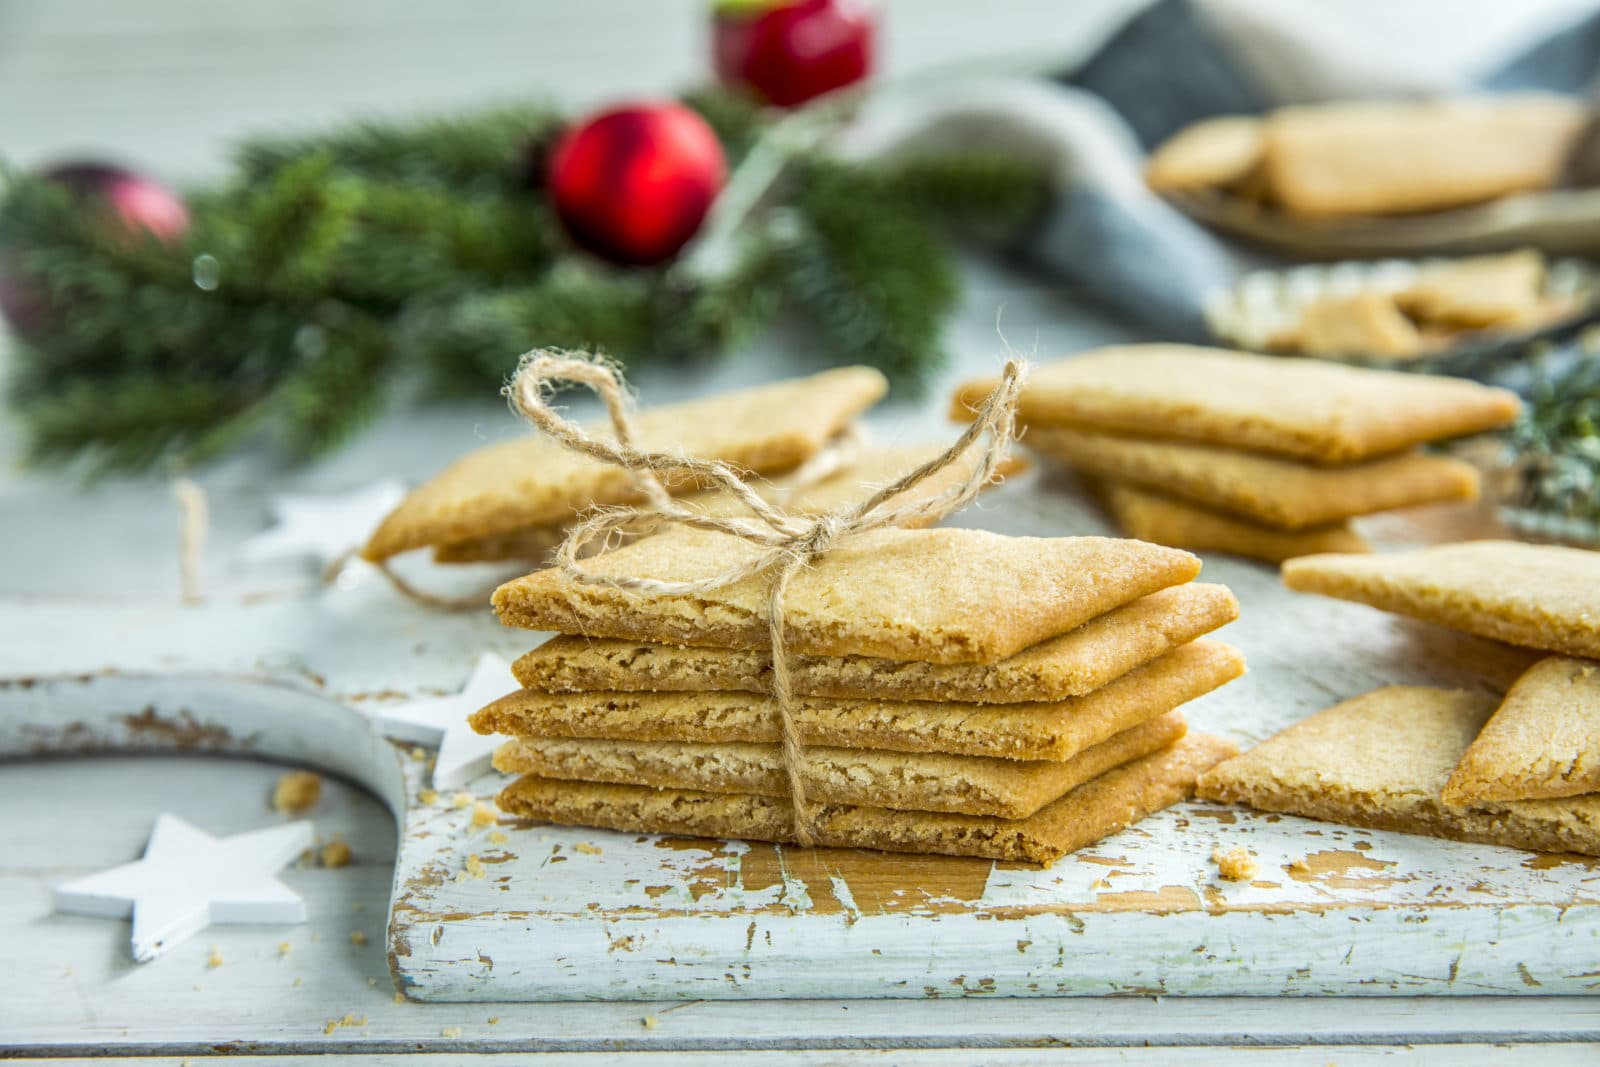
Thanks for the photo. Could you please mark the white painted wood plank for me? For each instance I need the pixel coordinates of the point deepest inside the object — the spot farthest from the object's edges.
(1343, 1055)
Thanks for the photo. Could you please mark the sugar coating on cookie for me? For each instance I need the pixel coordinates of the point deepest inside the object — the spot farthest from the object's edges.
(1538, 596)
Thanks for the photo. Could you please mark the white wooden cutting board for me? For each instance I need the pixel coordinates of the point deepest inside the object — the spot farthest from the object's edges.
(561, 914)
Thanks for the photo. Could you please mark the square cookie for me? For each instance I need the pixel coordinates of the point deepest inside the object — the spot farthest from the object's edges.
(941, 596)
(1093, 811)
(1538, 596)
(1032, 731)
(1153, 517)
(964, 785)
(1326, 413)
(1268, 490)
(1543, 742)
(1072, 664)
(531, 480)
(1382, 760)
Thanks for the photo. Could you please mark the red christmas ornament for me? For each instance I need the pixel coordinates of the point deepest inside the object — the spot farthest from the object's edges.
(791, 51)
(634, 183)
(133, 201)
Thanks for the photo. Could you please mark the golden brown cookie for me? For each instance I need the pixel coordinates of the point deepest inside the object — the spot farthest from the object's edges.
(1095, 810)
(861, 475)
(1054, 730)
(1388, 157)
(1543, 742)
(1166, 521)
(964, 785)
(1266, 489)
(1210, 154)
(1366, 323)
(1077, 662)
(1324, 412)
(1382, 760)
(1539, 596)
(941, 596)
(532, 480)
(1479, 293)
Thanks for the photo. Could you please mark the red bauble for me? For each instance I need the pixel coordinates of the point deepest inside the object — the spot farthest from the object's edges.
(634, 183)
(790, 51)
(137, 202)
(134, 202)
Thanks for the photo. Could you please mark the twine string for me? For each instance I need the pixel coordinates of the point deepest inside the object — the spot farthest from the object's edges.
(788, 542)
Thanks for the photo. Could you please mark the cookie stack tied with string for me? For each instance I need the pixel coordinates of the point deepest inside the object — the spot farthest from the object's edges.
(1256, 456)
(836, 674)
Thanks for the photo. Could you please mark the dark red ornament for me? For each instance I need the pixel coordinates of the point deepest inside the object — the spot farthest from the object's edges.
(634, 183)
(791, 51)
(133, 201)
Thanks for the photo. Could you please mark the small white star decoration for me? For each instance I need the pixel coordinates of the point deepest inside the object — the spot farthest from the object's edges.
(188, 880)
(324, 528)
(463, 753)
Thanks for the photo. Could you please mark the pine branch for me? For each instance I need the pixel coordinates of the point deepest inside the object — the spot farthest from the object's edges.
(1556, 443)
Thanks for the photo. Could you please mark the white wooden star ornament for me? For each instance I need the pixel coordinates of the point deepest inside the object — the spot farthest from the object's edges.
(188, 880)
(463, 753)
(324, 528)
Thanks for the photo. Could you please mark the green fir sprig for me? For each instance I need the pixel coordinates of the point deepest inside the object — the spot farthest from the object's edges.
(330, 267)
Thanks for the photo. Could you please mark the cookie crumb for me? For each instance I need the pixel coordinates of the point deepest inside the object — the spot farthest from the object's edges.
(284, 948)
(1234, 864)
(214, 960)
(474, 869)
(650, 1022)
(494, 1020)
(349, 1019)
(336, 853)
(298, 981)
(428, 796)
(496, 837)
(419, 753)
(587, 849)
(357, 937)
(483, 814)
(399, 997)
(1299, 866)
(297, 792)
(450, 1031)
(462, 799)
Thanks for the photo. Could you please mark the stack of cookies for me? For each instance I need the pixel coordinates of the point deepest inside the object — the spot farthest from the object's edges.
(1523, 771)
(1256, 456)
(957, 692)
(514, 500)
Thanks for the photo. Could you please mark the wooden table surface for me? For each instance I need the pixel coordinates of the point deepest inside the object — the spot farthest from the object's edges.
(164, 84)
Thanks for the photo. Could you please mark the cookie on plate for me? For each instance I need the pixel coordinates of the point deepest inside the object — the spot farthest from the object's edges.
(1210, 154)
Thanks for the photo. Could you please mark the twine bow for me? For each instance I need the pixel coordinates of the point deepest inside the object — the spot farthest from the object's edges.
(788, 541)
